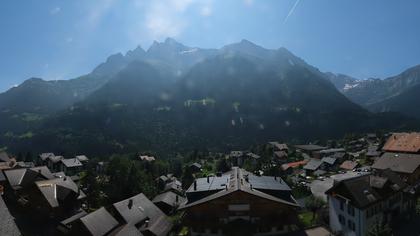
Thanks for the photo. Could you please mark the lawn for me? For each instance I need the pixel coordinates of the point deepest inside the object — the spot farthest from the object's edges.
(306, 219)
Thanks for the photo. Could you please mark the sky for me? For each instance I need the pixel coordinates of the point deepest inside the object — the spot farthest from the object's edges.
(57, 39)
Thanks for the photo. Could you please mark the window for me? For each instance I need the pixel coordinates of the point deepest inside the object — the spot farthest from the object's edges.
(350, 210)
(342, 205)
(351, 225)
(341, 219)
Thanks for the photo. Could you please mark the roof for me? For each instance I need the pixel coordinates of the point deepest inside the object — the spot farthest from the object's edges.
(19, 177)
(313, 164)
(4, 157)
(55, 159)
(253, 155)
(279, 146)
(45, 156)
(403, 142)
(174, 185)
(195, 164)
(73, 218)
(59, 190)
(72, 162)
(7, 221)
(293, 164)
(280, 154)
(329, 160)
(332, 150)
(99, 222)
(147, 158)
(310, 147)
(348, 165)
(82, 158)
(170, 198)
(236, 153)
(240, 180)
(126, 230)
(402, 163)
(140, 208)
(365, 190)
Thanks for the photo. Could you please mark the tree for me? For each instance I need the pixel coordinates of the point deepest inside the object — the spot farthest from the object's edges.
(222, 165)
(314, 204)
(379, 229)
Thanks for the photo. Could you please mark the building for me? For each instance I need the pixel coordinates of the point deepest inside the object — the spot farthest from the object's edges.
(43, 158)
(7, 221)
(241, 203)
(147, 158)
(54, 162)
(168, 202)
(312, 166)
(71, 166)
(407, 166)
(330, 152)
(349, 165)
(310, 149)
(403, 143)
(237, 157)
(97, 223)
(4, 157)
(279, 146)
(195, 167)
(357, 203)
(82, 158)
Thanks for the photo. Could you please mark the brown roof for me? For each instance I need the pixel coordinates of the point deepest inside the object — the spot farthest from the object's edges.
(402, 163)
(348, 165)
(403, 142)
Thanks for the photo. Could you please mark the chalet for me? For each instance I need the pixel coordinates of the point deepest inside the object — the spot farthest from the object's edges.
(19, 179)
(146, 158)
(310, 149)
(407, 166)
(43, 158)
(349, 165)
(280, 156)
(164, 179)
(279, 146)
(253, 157)
(168, 202)
(403, 143)
(373, 151)
(289, 168)
(71, 166)
(7, 222)
(54, 162)
(65, 226)
(97, 223)
(241, 203)
(174, 186)
(58, 196)
(329, 163)
(140, 212)
(357, 203)
(82, 158)
(4, 157)
(312, 165)
(195, 167)
(237, 157)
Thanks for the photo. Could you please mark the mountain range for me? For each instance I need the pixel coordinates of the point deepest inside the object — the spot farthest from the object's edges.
(173, 97)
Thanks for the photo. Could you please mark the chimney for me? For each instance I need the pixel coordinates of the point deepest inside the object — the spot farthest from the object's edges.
(250, 186)
(275, 177)
(176, 198)
(195, 185)
(130, 203)
(208, 179)
(146, 223)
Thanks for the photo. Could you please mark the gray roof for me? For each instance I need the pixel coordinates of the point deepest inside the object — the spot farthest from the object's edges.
(169, 198)
(45, 156)
(239, 180)
(55, 159)
(4, 157)
(73, 218)
(310, 147)
(20, 177)
(174, 185)
(366, 190)
(59, 190)
(82, 158)
(99, 222)
(253, 155)
(236, 153)
(72, 162)
(139, 208)
(403, 163)
(329, 160)
(126, 230)
(313, 164)
(7, 222)
(332, 150)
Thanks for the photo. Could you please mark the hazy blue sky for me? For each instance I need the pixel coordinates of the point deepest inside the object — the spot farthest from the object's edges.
(56, 39)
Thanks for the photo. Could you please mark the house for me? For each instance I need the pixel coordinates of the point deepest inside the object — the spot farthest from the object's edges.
(312, 166)
(373, 151)
(403, 143)
(279, 146)
(65, 226)
(19, 179)
(43, 158)
(237, 157)
(241, 202)
(168, 202)
(82, 158)
(140, 212)
(289, 168)
(97, 223)
(407, 166)
(310, 149)
(349, 165)
(58, 196)
(329, 152)
(54, 162)
(71, 166)
(174, 186)
(4, 157)
(7, 221)
(253, 157)
(195, 167)
(329, 163)
(280, 156)
(146, 158)
(357, 203)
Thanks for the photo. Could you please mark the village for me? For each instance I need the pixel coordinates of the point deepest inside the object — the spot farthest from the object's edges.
(360, 185)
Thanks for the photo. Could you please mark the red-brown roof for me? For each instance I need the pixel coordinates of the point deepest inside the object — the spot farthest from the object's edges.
(349, 165)
(403, 142)
(294, 164)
